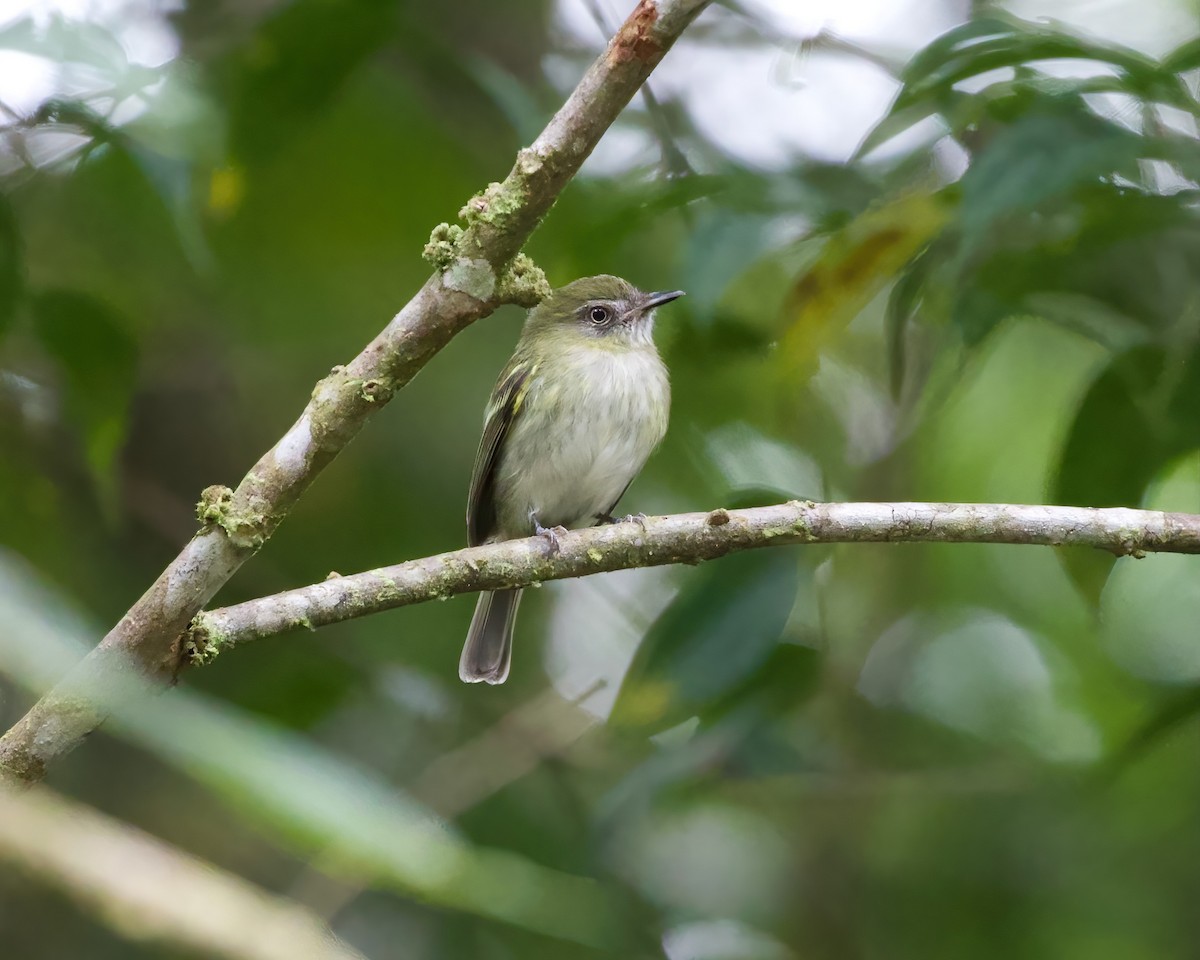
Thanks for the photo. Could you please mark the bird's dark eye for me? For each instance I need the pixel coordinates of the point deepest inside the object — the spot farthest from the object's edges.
(598, 315)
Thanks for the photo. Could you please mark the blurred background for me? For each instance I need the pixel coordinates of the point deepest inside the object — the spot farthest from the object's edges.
(933, 250)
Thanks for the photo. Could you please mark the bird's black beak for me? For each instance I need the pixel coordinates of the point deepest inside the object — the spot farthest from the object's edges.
(658, 299)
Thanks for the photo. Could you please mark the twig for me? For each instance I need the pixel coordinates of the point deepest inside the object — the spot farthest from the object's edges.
(543, 727)
(476, 273)
(147, 890)
(674, 161)
(689, 538)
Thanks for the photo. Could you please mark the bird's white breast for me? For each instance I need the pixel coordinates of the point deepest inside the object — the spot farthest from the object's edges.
(582, 435)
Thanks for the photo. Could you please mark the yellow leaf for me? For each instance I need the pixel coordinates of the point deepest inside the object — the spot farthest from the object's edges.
(856, 264)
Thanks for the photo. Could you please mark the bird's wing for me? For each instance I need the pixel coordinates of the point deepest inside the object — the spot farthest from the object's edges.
(502, 412)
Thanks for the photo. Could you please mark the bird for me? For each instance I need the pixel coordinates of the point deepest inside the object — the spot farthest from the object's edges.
(573, 417)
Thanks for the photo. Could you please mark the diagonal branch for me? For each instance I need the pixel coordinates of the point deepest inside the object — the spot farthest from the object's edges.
(152, 892)
(476, 273)
(689, 538)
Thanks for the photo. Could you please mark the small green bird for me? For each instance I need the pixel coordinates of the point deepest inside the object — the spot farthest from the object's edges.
(581, 405)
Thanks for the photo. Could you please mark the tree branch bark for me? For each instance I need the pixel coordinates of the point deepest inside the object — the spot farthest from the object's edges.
(475, 274)
(149, 891)
(688, 538)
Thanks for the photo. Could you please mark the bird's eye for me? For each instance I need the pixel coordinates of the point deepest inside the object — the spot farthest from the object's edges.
(598, 315)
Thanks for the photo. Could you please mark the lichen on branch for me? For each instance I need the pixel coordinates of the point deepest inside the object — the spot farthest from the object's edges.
(522, 283)
(216, 509)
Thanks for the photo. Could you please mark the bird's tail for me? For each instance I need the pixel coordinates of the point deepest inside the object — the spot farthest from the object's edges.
(488, 649)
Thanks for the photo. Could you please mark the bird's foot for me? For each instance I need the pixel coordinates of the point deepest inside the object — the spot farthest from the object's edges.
(638, 518)
(550, 535)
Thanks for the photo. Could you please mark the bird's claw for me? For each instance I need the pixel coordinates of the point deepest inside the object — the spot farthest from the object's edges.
(607, 518)
(550, 535)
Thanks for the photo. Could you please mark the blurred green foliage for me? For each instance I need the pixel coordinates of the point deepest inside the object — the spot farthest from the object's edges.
(868, 751)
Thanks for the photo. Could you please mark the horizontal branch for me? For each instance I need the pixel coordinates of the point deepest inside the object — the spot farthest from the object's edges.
(476, 273)
(149, 891)
(689, 538)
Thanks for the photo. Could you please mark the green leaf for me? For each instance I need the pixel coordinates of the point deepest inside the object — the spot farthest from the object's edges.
(902, 303)
(1002, 102)
(712, 639)
(936, 54)
(736, 735)
(900, 117)
(1042, 229)
(173, 180)
(784, 681)
(1086, 268)
(829, 193)
(995, 43)
(1184, 58)
(1148, 614)
(1139, 414)
(1175, 711)
(1041, 157)
(854, 267)
(98, 360)
(721, 245)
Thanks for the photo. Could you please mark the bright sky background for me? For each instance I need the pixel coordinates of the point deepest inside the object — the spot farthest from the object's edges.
(763, 106)
(140, 26)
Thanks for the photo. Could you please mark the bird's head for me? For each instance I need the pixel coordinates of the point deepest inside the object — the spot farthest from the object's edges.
(603, 308)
